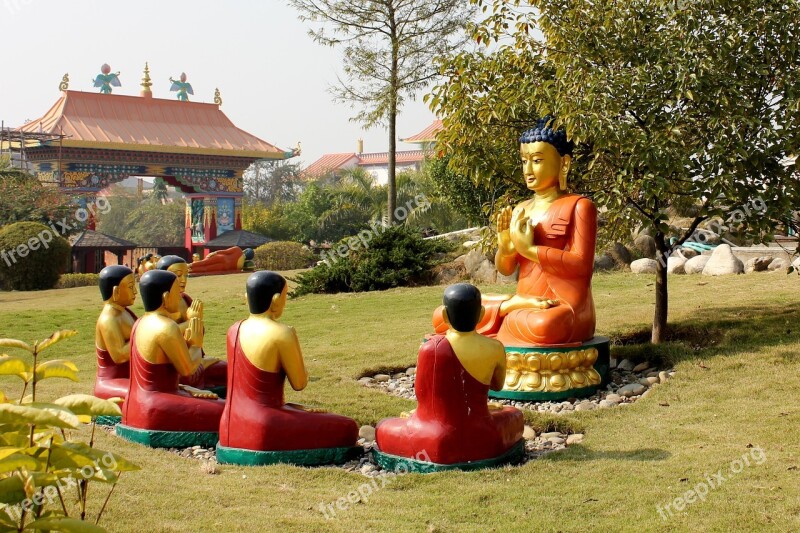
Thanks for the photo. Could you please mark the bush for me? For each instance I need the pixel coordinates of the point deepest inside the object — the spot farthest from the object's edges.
(396, 257)
(283, 255)
(68, 281)
(46, 256)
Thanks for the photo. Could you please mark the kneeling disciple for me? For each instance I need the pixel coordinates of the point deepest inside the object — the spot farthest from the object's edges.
(257, 427)
(453, 425)
(113, 332)
(158, 412)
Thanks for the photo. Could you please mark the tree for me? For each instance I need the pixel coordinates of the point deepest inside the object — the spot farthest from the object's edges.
(272, 181)
(390, 48)
(160, 190)
(671, 103)
(152, 223)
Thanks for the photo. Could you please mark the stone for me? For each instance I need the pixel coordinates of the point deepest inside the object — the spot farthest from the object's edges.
(513, 278)
(366, 380)
(585, 406)
(614, 398)
(549, 435)
(626, 364)
(796, 263)
(470, 244)
(647, 382)
(449, 273)
(485, 273)
(575, 438)
(705, 236)
(399, 375)
(605, 404)
(696, 264)
(778, 264)
(411, 371)
(557, 440)
(675, 265)
(367, 468)
(473, 261)
(612, 362)
(632, 389)
(367, 433)
(620, 254)
(528, 433)
(723, 262)
(688, 253)
(757, 264)
(644, 266)
(645, 246)
(603, 262)
(663, 377)
(641, 367)
(382, 378)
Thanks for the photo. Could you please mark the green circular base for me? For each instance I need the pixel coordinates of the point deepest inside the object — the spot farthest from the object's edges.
(396, 463)
(107, 420)
(312, 457)
(168, 439)
(602, 366)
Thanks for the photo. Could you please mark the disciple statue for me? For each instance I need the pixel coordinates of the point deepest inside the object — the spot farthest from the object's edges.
(257, 427)
(158, 411)
(453, 427)
(182, 87)
(551, 240)
(106, 79)
(222, 261)
(113, 332)
(215, 375)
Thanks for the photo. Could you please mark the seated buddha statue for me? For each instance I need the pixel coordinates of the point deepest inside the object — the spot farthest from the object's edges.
(113, 332)
(453, 424)
(257, 426)
(161, 354)
(551, 239)
(230, 260)
(215, 374)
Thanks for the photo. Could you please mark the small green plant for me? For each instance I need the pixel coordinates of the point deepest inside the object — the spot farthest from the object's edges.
(283, 255)
(68, 281)
(43, 472)
(396, 256)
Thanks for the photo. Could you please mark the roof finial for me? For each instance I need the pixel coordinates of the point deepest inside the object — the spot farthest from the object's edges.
(182, 87)
(217, 97)
(64, 85)
(146, 82)
(106, 79)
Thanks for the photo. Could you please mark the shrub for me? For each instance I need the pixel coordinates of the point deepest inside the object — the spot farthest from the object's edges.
(283, 255)
(397, 256)
(44, 256)
(68, 281)
(41, 463)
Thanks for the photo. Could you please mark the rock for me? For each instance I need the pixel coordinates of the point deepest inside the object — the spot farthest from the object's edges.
(528, 433)
(645, 246)
(723, 262)
(513, 278)
(675, 265)
(705, 236)
(485, 273)
(620, 254)
(644, 266)
(557, 440)
(605, 404)
(549, 435)
(796, 263)
(411, 371)
(585, 406)
(399, 375)
(575, 438)
(641, 367)
(663, 377)
(625, 364)
(367, 468)
(470, 244)
(473, 261)
(604, 262)
(367, 433)
(449, 273)
(382, 378)
(757, 264)
(647, 382)
(633, 389)
(688, 253)
(779, 263)
(613, 398)
(612, 362)
(366, 380)
(696, 264)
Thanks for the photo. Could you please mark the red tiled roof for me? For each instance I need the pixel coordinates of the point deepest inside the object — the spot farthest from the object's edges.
(427, 135)
(382, 158)
(137, 123)
(327, 163)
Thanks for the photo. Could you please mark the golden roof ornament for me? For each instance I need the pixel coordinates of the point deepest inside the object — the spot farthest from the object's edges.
(64, 85)
(217, 97)
(146, 82)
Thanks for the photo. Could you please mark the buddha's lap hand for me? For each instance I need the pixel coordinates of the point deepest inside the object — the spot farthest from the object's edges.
(199, 393)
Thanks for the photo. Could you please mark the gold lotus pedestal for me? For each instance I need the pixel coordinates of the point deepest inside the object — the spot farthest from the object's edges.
(553, 373)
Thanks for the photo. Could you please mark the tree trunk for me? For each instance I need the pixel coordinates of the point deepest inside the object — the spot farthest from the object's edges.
(662, 297)
(392, 202)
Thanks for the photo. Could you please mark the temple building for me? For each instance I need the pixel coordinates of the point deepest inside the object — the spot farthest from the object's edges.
(87, 142)
(377, 163)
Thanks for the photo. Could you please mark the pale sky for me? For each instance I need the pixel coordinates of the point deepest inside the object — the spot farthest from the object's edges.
(272, 76)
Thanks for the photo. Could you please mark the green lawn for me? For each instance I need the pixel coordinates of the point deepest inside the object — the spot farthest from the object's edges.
(736, 387)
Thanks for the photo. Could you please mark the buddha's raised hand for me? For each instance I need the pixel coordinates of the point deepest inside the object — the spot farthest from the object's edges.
(504, 231)
(195, 310)
(194, 333)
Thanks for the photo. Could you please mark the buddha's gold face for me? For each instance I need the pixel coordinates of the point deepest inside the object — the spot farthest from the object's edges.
(182, 271)
(541, 165)
(173, 298)
(125, 294)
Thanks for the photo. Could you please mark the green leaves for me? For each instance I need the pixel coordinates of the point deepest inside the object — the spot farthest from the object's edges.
(55, 338)
(58, 368)
(15, 366)
(65, 525)
(31, 414)
(84, 404)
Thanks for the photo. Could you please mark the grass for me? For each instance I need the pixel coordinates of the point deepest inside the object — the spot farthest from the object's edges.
(736, 345)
